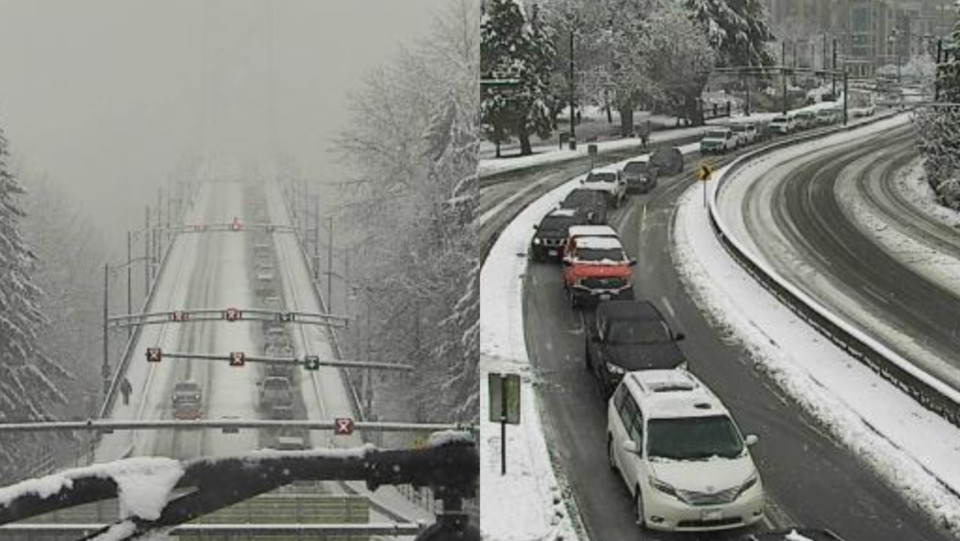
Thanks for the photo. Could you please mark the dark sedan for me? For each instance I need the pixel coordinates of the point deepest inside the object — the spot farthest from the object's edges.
(626, 336)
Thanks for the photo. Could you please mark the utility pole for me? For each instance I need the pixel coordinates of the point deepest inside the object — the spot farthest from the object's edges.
(316, 239)
(834, 68)
(783, 84)
(146, 250)
(129, 280)
(936, 78)
(105, 367)
(794, 53)
(329, 265)
(844, 96)
(573, 131)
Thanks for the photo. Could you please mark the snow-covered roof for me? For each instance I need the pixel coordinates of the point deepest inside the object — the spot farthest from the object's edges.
(674, 394)
(599, 243)
(592, 231)
(641, 159)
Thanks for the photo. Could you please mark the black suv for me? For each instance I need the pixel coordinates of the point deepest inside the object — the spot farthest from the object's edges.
(551, 234)
(626, 336)
(591, 204)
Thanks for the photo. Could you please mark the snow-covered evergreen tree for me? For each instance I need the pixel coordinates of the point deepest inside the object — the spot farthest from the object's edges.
(514, 45)
(414, 142)
(948, 77)
(26, 387)
(738, 30)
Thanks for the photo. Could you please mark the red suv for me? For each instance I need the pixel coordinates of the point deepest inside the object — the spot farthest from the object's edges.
(597, 269)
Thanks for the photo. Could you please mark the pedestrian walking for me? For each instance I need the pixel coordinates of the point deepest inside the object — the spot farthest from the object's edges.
(126, 389)
(644, 134)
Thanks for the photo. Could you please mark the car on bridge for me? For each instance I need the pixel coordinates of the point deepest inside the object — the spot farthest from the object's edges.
(187, 400)
(827, 116)
(640, 174)
(626, 336)
(276, 396)
(597, 269)
(684, 460)
(805, 119)
(591, 204)
(551, 234)
(609, 182)
(718, 141)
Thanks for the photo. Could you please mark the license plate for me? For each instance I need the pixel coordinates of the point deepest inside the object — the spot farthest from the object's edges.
(552, 252)
(711, 514)
(605, 297)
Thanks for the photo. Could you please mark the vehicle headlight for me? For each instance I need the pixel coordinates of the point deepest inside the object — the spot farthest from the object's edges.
(536, 240)
(749, 483)
(614, 369)
(665, 488)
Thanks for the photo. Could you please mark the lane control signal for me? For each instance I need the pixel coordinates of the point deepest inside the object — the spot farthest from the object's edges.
(311, 362)
(237, 358)
(154, 355)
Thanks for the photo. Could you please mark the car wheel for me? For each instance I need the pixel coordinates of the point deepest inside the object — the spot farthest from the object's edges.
(610, 457)
(638, 509)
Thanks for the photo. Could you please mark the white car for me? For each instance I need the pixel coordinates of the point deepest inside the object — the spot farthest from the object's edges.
(746, 134)
(718, 141)
(783, 124)
(684, 460)
(609, 181)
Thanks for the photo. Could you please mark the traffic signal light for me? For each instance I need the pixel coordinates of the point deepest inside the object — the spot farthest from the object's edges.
(237, 358)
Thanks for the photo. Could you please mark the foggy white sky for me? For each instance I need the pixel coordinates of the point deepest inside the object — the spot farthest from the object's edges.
(107, 96)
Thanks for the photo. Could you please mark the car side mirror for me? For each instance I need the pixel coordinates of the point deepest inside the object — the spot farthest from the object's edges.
(567, 263)
(633, 262)
(536, 227)
(751, 439)
(631, 446)
(680, 336)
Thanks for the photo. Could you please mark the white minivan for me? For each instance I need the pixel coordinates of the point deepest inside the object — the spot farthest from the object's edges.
(684, 460)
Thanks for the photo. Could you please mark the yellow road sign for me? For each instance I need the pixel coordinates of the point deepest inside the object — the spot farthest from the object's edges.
(704, 172)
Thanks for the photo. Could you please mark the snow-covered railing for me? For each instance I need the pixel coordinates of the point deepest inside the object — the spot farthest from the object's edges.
(925, 388)
(135, 336)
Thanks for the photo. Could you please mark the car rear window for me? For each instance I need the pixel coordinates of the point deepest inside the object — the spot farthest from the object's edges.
(601, 177)
(276, 384)
(636, 167)
(717, 134)
(580, 197)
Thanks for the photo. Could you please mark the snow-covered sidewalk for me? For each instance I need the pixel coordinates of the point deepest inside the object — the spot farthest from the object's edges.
(914, 450)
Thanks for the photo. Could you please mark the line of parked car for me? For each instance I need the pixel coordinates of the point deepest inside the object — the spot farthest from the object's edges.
(676, 447)
(723, 139)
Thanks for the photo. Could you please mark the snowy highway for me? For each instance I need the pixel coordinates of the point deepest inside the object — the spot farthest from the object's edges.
(811, 478)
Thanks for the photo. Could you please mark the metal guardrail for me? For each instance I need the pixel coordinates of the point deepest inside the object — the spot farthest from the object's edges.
(926, 389)
(311, 531)
(135, 337)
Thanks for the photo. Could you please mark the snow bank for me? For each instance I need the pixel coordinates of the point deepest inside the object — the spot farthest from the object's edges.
(911, 448)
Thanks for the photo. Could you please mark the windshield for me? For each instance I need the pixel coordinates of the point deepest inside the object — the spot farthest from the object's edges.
(779, 120)
(693, 438)
(716, 134)
(556, 223)
(602, 177)
(186, 388)
(600, 254)
(636, 167)
(638, 332)
(580, 197)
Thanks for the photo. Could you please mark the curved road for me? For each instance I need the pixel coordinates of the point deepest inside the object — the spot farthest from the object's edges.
(811, 480)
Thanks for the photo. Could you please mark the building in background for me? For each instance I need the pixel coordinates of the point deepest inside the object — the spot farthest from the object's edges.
(869, 33)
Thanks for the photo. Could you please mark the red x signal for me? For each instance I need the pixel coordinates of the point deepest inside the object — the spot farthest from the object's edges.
(154, 355)
(232, 314)
(180, 316)
(343, 426)
(236, 224)
(237, 358)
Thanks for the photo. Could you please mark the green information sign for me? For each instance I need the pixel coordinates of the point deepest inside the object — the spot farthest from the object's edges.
(505, 398)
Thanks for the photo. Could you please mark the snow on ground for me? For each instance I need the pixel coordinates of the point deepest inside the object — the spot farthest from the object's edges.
(913, 449)
(913, 184)
(553, 154)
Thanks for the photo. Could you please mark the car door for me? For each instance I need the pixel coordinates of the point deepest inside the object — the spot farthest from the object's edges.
(627, 461)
